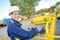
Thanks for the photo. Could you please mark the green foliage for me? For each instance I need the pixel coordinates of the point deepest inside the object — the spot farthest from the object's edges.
(52, 7)
(57, 3)
(42, 10)
(27, 7)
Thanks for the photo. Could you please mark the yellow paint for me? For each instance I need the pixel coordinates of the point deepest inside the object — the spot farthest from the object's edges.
(50, 19)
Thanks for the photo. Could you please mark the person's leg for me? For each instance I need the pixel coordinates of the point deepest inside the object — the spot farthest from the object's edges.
(12, 38)
(24, 39)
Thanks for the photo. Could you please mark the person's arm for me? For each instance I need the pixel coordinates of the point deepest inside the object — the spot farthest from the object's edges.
(21, 32)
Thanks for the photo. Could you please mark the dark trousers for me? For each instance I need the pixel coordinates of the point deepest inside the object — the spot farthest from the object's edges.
(15, 39)
(12, 38)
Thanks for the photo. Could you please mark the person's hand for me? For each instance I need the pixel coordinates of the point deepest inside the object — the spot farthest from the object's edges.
(39, 28)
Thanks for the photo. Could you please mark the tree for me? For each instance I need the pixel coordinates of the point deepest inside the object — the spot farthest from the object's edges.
(27, 7)
(42, 10)
(57, 3)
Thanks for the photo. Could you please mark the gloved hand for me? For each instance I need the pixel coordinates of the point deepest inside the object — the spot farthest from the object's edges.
(39, 28)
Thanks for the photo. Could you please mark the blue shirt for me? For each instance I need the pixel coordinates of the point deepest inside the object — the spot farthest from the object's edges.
(15, 31)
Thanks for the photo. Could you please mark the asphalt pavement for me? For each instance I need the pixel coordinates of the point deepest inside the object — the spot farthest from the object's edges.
(3, 31)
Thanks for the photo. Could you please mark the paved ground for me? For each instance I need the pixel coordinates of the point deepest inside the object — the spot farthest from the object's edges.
(3, 31)
(58, 27)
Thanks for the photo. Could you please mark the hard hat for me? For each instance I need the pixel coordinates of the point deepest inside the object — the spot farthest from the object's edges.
(13, 8)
